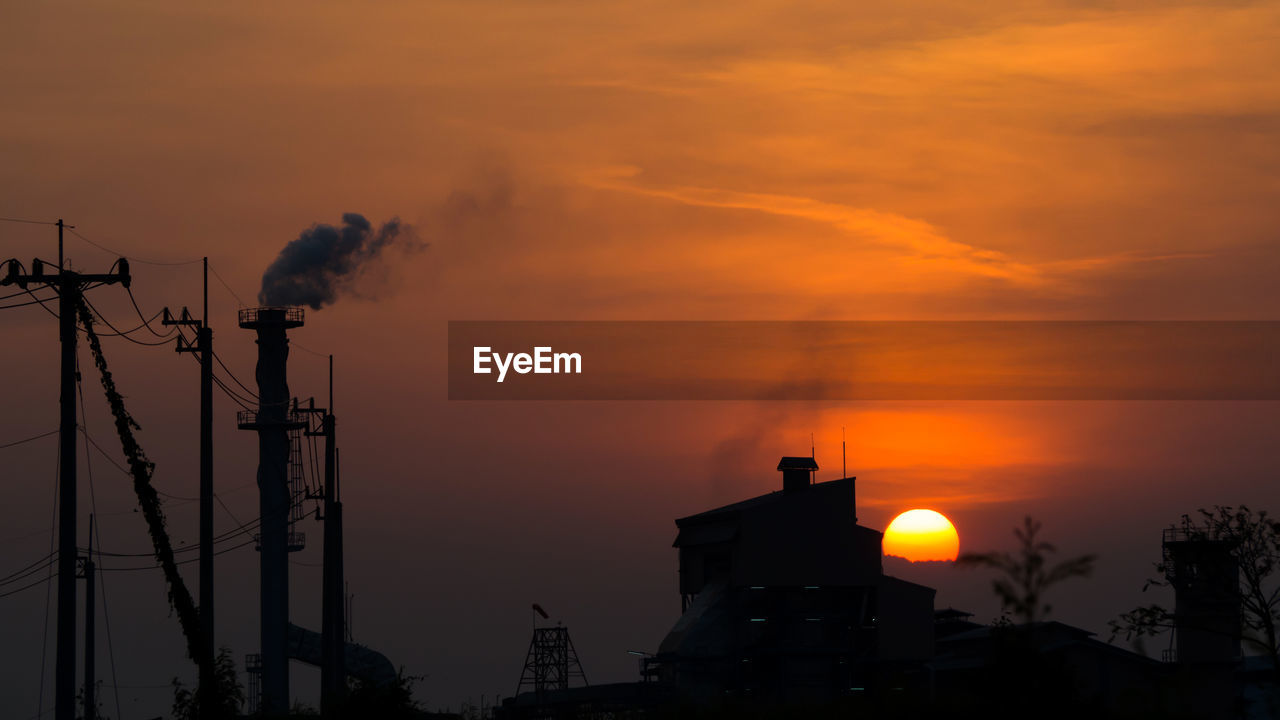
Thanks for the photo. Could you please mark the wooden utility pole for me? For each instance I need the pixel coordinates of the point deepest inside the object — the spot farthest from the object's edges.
(204, 350)
(70, 287)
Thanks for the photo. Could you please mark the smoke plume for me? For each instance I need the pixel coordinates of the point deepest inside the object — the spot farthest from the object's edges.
(324, 261)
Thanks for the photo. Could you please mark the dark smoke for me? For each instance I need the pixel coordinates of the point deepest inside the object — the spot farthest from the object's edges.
(324, 261)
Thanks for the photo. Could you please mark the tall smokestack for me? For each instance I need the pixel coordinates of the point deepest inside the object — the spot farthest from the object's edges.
(273, 421)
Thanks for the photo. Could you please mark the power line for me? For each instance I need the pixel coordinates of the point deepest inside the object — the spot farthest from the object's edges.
(105, 321)
(22, 304)
(294, 343)
(242, 304)
(37, 583)
(232, 375)
(135, 258)
(111, 653)
(244, 402)
(188, 561)
(180, 498)
(12, 295)
(145, 322)
(25, 291)
(27, 440)
(224, 537)
(227, 535)
(44, 642)
(28, 222)
(29, 570)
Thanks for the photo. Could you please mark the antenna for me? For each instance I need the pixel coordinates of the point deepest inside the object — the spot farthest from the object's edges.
(844, 467)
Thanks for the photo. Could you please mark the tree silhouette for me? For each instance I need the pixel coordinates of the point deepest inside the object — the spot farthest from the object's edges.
(1027, 573)
(228, 697)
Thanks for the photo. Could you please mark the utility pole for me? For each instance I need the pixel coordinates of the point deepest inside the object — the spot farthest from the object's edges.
(70, 287)
(90, 683)
(204, 349)
(333, 673)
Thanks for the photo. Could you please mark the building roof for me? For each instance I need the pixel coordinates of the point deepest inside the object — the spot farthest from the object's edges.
(797, 463)
(759, 500)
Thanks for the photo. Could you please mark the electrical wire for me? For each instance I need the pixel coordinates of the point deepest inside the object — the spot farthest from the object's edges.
(34, 298)
(12, 295)
(37, 583)
(28, 222)
(27, 440)
(98, 313)
(244, 402)
(239, 530)
(221, 538)
(145, 322)
(134, 330)
(224, 507)
(228, 287)
(188, 561)
(42, 302)
(232, 375)
(96, 528)
(48, 591)
(294, 343)
(22, 304)
(134, 258)
(29, 570)
(111, 653)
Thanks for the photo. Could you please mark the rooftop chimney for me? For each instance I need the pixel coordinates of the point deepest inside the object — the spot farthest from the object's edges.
(797, 472)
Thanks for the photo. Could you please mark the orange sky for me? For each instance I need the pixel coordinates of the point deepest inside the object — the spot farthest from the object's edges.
(568, 160)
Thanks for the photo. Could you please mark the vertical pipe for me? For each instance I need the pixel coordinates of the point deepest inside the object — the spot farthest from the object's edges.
(90, 681)
(64, 665)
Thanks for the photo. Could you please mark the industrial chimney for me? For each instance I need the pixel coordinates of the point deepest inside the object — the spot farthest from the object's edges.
(273, 421)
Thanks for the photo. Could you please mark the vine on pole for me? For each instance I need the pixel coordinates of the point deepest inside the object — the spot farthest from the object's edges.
(141, 469)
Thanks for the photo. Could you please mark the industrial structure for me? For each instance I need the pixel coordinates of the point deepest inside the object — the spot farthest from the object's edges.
(551, 664)
(1205, 577)
(274, 421)
(784, 599)
(282, 423)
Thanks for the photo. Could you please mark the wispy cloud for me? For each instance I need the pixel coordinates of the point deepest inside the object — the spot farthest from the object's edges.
(917, 241)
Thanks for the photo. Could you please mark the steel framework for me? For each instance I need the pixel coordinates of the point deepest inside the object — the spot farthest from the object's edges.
(551, 663)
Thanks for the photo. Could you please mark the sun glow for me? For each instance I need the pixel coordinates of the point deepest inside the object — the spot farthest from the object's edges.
(919, 535)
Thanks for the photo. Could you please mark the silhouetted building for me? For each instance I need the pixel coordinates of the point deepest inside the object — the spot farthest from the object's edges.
(1051, 666)
(951, 621)
(1206, 584)
(784, 599)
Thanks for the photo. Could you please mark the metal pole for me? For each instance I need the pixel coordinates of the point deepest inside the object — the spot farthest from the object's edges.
(204, 343)
(65, 667)
(90, 682)
(333, 676)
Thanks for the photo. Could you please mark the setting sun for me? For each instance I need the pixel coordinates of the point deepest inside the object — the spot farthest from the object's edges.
(919, 535)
